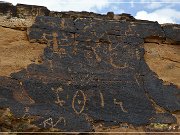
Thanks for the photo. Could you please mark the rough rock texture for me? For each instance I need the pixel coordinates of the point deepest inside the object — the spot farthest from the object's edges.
(16, 52)
(164, 59)
(94, 70)
(172, 33)
(15, 23)
(7, 9)
(26, 11)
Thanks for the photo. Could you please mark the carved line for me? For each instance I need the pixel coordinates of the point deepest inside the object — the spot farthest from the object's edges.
(84, 98)
(120, 104)
(26, 112)
(59, 120)
(59, 102)
(111, 60)
(136, 80)
(117, 66)
(102, 99)
(46, 122)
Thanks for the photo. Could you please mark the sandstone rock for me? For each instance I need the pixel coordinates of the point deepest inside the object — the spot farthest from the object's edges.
(7, 9)
(25, 11)
(172, 33)
(164, 59)
(16, 52)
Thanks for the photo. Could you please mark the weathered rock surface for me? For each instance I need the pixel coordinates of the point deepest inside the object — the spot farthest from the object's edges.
(16, 52)
(93, 69)
(172, 33)
(7, 9)
(164, 60)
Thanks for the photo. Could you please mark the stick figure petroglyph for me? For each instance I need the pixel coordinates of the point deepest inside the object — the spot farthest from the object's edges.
(57, 91)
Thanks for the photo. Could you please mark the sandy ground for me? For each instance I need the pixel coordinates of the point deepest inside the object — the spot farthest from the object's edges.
(16, 52)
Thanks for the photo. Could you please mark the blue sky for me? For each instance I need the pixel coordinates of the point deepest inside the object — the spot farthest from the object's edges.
(163, 11)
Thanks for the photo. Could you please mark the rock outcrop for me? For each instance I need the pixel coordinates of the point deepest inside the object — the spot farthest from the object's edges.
(93, 70)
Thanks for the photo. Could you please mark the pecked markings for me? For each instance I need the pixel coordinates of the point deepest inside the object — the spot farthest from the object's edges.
(100, 67)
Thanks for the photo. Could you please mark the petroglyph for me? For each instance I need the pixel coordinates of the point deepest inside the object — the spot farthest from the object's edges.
(102, 99)
(110, 51)
(98, 58)
(79, 93)
(46, 122)
(111, 59)
(61, 119)
(121, 105)
(57, 91)
(50, 122)
(91, 60)
(118, 66)
(56, 47)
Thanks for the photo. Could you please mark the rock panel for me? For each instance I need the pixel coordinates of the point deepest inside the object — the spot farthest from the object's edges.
(25, 11)
(92, 70)
(172, 33)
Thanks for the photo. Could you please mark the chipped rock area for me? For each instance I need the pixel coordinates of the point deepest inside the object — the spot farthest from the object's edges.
(108, 73)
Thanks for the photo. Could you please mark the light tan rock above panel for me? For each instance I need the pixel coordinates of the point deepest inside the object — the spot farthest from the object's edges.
(16, 52)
